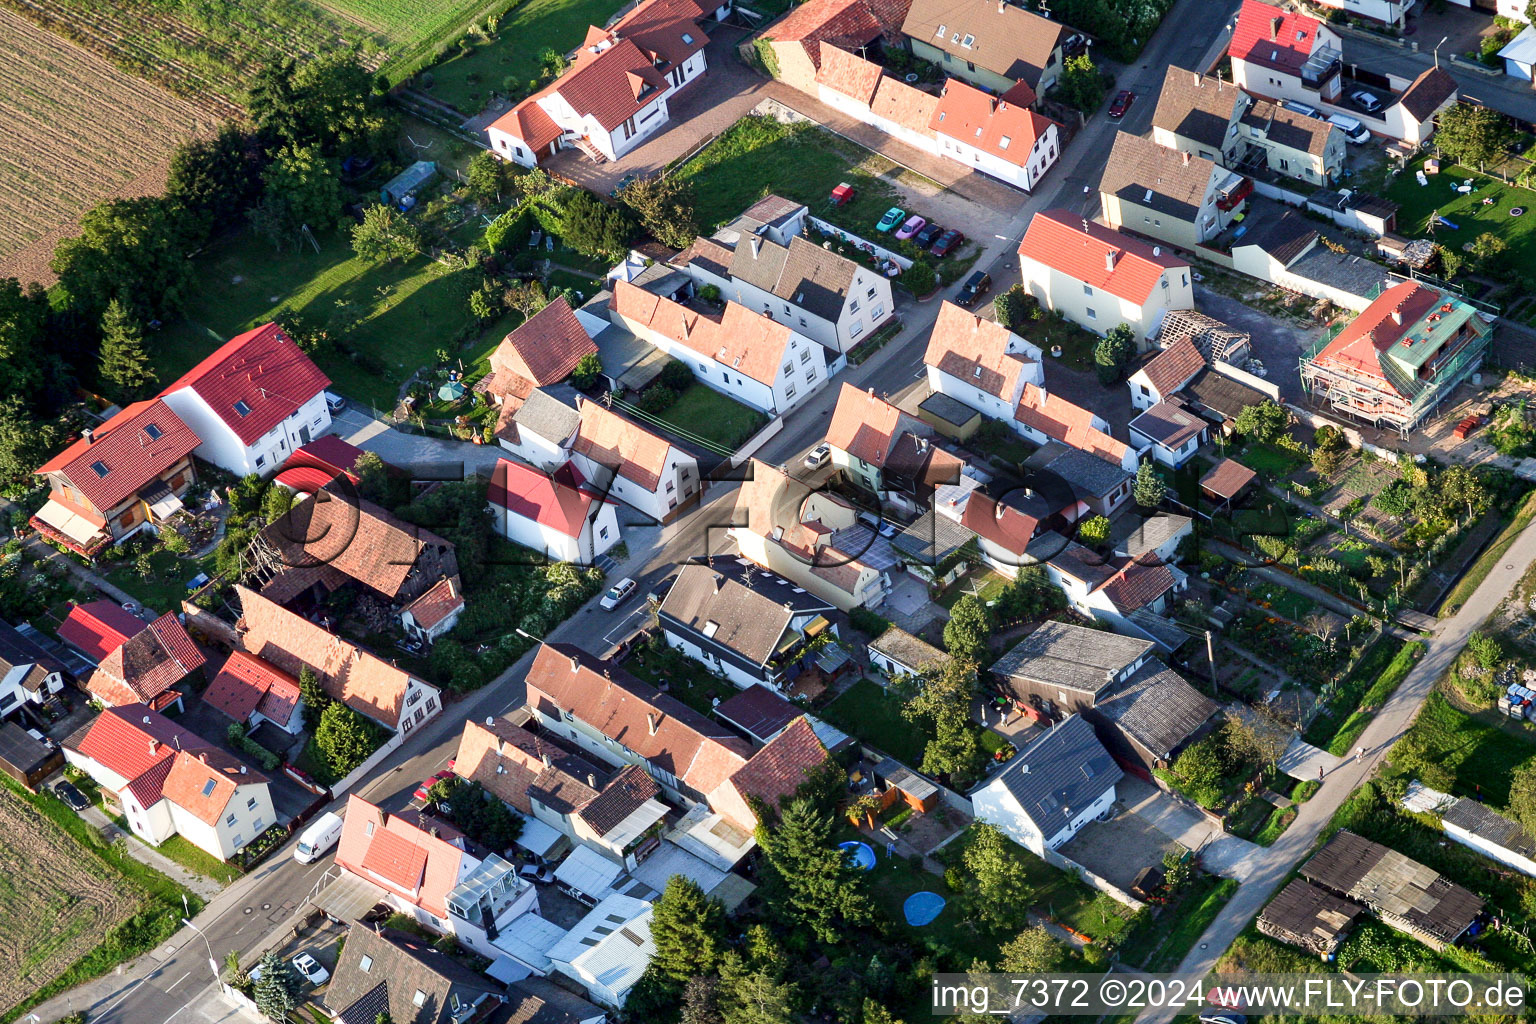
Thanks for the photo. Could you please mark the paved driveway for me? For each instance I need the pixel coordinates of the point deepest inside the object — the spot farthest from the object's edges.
(427, 457)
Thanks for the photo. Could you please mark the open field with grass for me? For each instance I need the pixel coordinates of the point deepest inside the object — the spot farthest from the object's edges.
(56, 157)
(1465, 210)
(1373, 679)
(57, 901)
(1475, 753)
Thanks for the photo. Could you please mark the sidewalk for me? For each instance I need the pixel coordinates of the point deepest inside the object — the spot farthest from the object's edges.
(142, 852)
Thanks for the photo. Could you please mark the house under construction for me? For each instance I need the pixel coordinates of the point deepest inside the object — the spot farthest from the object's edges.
(1399, 359)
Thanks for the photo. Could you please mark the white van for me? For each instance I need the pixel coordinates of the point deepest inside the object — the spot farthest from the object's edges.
(322, 834)
(1353, 130)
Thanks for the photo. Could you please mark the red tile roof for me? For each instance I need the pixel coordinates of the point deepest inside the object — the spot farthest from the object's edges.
(134, 448)
(1070, 424)
(975, 350)
(1273, 37)
(667, 28)
(777, 770)
(561, 500)
(329, 456)
(264, 371)
(444, 598)
(246, 684)
(1359, 345)
(1082, 250)
(745, 341)
(187, 783)
(97, 628)
(991, 124)
(396, 859)
(900, 103)
(1173, 367)
(611, 86)
(142, 746)
(1001, 524)
(621, 445)
(546, 348)
(848, 74)
(419, 866)
(529, 122)
(1138, 585)
(848, 23)
(865, 426)
(147, 664)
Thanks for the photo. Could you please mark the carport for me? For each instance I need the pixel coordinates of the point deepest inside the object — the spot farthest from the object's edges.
(349, 897)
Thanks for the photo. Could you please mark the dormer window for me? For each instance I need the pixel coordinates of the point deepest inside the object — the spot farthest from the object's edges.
(940, 33)
(968, 42)
(978, 373)
(100, 468)
(241, 409)
(153, 431)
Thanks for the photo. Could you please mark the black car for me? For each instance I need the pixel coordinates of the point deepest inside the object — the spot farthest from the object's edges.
(927, 236)
(70, 795)
(977, 285)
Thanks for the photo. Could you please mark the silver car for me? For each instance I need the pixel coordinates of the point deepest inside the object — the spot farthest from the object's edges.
(617, 593)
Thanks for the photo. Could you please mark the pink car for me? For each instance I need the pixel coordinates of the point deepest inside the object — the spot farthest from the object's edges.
(911, 227)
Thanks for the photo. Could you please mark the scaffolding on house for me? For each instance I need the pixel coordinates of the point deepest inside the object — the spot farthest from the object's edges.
(1396, 400)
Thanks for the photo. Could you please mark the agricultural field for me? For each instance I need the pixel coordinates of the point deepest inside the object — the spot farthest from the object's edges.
(57, 902)
(74, 131)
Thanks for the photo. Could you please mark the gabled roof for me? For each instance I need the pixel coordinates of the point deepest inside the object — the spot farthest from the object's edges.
(745, 613)
(147, 664)
(658, 728)
(546, 347)
(1480, 820)
(97, 628)
(1172, 368)
(867, 427)
(1169, 424)
(316, 464)
(1088, 475)
(667, 29)
(1288, 128)
(1070, 424)
(128, 451)
(845, 73)
(848, 23)
(144, 747)
(561, 500)
(1401, 317)
(1157, 709)
(779, 768)
(246, 684)
(625, 793)
(536, 1000)
(529, 121)
(1196, 107)
(905, 649)
(507, 760)
(997, 125)
(802, 273)
(758, 710)
(1098, 256)
(254, 381)
(1138, 585)
(399, 966)
(1227, 478)
(203, 783)
(975, 350)
(1391, 884)
(744, 341)
(391, 851)
(359, 679)
(1272, 37)
(1076, 657)
(1153, 533)
(439, 601)
(621, 445)
(22, 652)
(1433, 89)
(1141, 172)
(999, 523)
(611, 85)
(902, 104)
(1058, 775)
(1005, 38)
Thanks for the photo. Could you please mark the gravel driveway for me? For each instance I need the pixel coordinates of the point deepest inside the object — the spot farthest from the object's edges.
(427, 457)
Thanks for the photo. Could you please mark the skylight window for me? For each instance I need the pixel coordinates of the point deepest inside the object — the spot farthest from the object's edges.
(100, 468)
(153, 431)
(242, 408)
(419, 998)
(365, 964)
(1003, 143)
(209, 786)
(968, 42)
(940, 33)
(688, 38)
(710, 628)
(978, 132)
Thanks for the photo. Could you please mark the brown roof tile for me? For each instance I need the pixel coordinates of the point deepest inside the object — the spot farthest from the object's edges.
(1008, 40)
(1197, 107)
(1434, 88)
(621, 445)
(147, 664)
(747, 342)
(1070, 424)
(1177, 181)
(1172, 368)
(546, 348)
(624, 794)
(778, 769)
(900, 103)
(132, 449)
(1227, 478)
(848, 74)
(1288, 128)
(188, 784)
(975, 350)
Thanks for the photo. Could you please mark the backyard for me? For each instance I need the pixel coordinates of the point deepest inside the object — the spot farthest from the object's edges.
(873, 714)
(702, 411)
(1162, 938)
(1348, 709)
(1466, 210)
(1465, 754)
(164, 586)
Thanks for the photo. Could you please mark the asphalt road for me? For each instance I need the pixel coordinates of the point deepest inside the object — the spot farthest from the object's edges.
(158, 990)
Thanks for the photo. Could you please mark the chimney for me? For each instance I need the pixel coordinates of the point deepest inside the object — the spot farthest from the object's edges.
(1274, 27)
(154, 745)
(1085, 225)
(1109, 259)
(547, 759)
(203, 756)
(1397, 316)
(757, 246)
(592, 779)
(652, 721)
(1186, 156)
(575, 663)
(89, 435)
(1002, 6)
(975, 325)
(997, 509)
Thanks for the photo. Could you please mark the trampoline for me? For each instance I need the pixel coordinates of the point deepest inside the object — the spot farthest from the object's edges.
(861, 855)
(922, 907)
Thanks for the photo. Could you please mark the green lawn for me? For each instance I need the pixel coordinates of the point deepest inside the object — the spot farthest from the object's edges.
(1419, 202)
(1281, 600)
(1270, 461)
(404, 311)
(685, 679)
(867, 711)
(1162, 940)
(178, 849)
(987, 584)
(1373, 679)
(509, 62)
(166, 586)
(1478, 755)
(705, 412)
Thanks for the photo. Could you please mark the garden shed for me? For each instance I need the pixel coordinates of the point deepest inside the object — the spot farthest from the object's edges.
(407, 182)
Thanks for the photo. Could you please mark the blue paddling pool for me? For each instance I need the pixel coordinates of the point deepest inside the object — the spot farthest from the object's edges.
(922, 907)
(860, 855)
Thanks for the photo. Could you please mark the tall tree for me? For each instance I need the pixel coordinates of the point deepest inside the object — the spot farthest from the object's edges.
(300, 189)
(687, 929)
(24, 442)
(1149, 489)
(592, 228)
(944, 698)
(277, 990)
(1032, 951)
(372, 478)
(752, 996)
(29, 366)
(1263, 422)
(1000, 893)
(217, 178)
(340, 109)
(133, 250)
(344, 738)
(488, 177)
(1080, 84)
(664, 204)
(874, 1013)
(1114, 352)
(273, 103)
(821, 890)
(965, 634)
(385, 234)
(313, 694)
(1472, 135)
(124, 361)
(701, 1002)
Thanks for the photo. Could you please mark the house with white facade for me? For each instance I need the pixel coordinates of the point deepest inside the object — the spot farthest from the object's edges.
(1098, 277)
(623, 460)
(1170, 432)
(1165, 374)
(1389, 12)
(1051, 788)
(250, 691)
(822, 295)
(745, 355)
(558, 514)
(615, 93)
(995, 46)
(980, 362)
(608, 950)
(1479, 827)
(894, 455)
(1001, 136)
(1043, 416)
(1172, 196)
(28, 674)
(253, 402)
(167, 781)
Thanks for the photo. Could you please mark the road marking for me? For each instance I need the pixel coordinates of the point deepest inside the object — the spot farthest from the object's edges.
(172, 1016)
(126, 993)
(178, 981)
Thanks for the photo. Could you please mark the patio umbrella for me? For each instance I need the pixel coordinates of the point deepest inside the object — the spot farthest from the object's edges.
(451, 391)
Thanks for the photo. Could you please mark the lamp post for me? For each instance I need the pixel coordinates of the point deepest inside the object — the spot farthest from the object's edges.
(213, 965)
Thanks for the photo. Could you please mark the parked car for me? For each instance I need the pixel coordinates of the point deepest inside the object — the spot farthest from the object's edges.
(947, 243)
(1221, 1015)
(424, 791)
(70, 795)
(818, 456)
(928, 235)
(624, 183)
(334, 402)
(537, 872)
(894, 216)
(1298, 107)
(378, 912)
(1354, 132)
(1075, 45)
(884, 527)
(658, 593)
(313, 970)
(1365, 101)
(977, 285)
(617, 593)
(1121, 103)
(913, 225)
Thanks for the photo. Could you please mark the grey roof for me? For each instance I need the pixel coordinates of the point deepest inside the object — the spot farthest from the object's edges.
(950, 410)
(1140, 171)
(801, 273)
(1059, 774)
(1168, 634)
(1073, 657)
(758, 711)
(661, 279)
(1086, 473)
(932, 538)
(1008, 40)
(1157, 709)
(401, 965)
(749, 607)
(17, 650)
(1169, 424)
(1196, 106)
(1221, 394)
(707, 254)
(1152, 534)
(547, 416)
(905, 649)
(1350, 273)
(1070, 557)
(1283, 235)
(1288, 128)
(1393, 886)
(19, 750)
(536, 1000)
(1486, 823)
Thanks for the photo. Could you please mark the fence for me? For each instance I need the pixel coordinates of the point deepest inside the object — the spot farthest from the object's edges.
(756, 441)
(356, 774)
(826, 227)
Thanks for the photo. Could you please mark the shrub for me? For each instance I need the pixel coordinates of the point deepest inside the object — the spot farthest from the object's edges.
(587, 370)
(657, 399)
(867, 622)
(675, 375)
(919, 278)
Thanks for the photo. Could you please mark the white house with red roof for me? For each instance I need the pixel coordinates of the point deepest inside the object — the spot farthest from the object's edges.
(316, 464)
(119, 478)
(168, 781)
(997, 135)
(980, 362)
(558, 514)
(435, 611)
(254, 401)
(614, 95)
(626, 461)
(1098, 277)
(1285, 55)
(1165, 374)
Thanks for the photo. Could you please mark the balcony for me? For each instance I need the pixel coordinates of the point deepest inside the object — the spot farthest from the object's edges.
(1232, 192)
(1325, 63)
